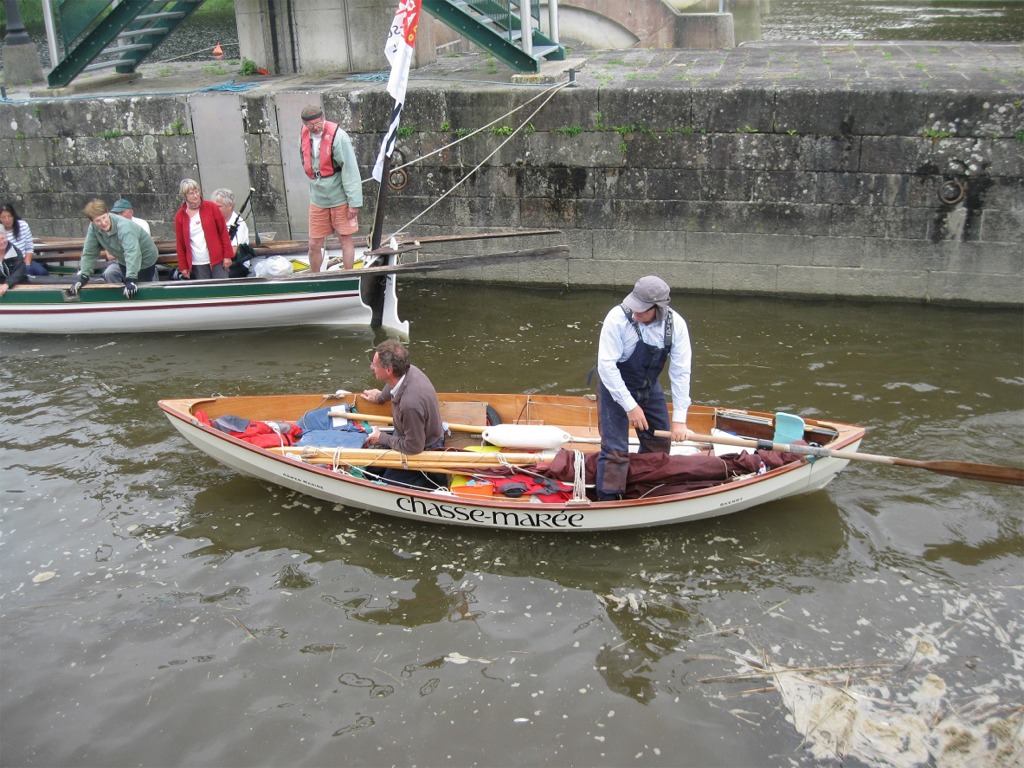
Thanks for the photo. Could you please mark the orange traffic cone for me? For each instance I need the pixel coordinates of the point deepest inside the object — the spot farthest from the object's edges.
(218, 52)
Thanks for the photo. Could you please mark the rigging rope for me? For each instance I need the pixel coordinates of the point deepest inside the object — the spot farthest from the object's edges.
(550, 93)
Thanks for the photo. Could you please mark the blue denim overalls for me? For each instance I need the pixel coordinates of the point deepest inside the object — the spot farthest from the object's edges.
(640, 373)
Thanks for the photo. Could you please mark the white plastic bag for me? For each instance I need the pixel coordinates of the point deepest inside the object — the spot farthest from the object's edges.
(274, 267)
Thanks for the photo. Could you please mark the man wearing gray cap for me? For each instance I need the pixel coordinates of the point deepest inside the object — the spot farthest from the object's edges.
(638, 337)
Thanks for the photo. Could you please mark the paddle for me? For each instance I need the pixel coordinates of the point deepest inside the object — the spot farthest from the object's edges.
(373, 418)
(463, 262)
(384, 457)
(516, 436)
(989, 473)
(415, 242)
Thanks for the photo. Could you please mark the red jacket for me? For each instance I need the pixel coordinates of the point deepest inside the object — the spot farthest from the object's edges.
(326, 151)
(214, 227)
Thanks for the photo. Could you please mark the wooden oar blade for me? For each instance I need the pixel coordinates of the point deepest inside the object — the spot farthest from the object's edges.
(989, 473)
(464, 262)
(406, 240)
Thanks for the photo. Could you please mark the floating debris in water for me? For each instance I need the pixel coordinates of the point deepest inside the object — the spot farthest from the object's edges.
(457, 658)
(634, 602)
(881, 723)
(897, 713)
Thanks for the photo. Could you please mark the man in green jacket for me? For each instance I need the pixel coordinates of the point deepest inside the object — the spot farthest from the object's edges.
(122, 238)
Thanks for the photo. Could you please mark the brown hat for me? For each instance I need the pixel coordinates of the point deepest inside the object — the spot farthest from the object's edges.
(312, 112)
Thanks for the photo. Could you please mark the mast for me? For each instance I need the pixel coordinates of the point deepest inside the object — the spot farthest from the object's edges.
(373, 288)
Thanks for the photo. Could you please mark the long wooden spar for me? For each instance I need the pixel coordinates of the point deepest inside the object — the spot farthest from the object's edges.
(425, 461)
(990, 473)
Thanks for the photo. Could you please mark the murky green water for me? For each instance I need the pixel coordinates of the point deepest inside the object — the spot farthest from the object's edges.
(158, 609)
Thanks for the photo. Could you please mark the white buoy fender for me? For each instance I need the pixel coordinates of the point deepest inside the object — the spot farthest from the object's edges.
(540, 436)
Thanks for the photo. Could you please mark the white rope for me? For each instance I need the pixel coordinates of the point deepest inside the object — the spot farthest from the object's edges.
(550, 93)
(471, 134)
(579, 482)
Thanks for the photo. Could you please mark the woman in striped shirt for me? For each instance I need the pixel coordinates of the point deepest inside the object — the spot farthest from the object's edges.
(19, 233)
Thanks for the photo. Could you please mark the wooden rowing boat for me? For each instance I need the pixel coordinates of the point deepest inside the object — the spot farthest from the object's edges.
(344, 475)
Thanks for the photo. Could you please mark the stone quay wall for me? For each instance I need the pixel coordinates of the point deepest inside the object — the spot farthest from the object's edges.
(721, 183)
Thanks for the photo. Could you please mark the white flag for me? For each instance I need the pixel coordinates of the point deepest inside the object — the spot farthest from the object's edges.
(398, 48)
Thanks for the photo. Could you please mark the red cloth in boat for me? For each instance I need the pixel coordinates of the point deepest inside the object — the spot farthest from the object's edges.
(659, 474)
(261, 433)
(516, 485)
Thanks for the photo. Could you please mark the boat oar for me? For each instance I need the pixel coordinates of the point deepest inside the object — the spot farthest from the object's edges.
(383, 457)
(374, 418)
(515, 436)
(989, 473)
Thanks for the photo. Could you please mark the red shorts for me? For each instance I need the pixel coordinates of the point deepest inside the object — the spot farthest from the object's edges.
(324, 221)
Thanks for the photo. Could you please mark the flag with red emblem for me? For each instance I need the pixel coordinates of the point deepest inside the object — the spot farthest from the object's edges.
(398, 48)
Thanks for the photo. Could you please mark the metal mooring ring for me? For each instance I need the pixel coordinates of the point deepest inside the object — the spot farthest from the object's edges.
(952, 191)
(398, 180)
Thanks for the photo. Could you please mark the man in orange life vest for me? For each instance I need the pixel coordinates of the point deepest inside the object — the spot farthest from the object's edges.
(335, 187)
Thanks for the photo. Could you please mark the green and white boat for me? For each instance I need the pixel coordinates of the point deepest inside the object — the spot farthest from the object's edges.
(363, 296)
(359, 297)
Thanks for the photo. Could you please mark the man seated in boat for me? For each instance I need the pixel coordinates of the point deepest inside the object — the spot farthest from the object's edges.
(414, 409)
(122, 207)
(638, 337)
(135, 251)
(12, 264)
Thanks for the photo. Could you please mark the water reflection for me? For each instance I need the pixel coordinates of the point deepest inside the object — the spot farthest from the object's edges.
(649, 587)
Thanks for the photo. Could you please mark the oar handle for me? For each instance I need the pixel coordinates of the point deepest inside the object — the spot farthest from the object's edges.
(376, 418)
(989, 473)
(370, 456)
(768, 445)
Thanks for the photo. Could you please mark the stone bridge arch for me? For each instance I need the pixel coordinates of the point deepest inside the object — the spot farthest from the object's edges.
(640, 24)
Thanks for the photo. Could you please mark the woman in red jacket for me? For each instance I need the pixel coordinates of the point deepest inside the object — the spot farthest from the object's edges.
(204, 246)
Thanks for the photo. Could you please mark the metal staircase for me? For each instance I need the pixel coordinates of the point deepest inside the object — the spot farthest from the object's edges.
(99, 34)
(497, 26)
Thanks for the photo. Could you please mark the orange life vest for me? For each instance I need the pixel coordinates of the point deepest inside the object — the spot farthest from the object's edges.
(327, 166)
